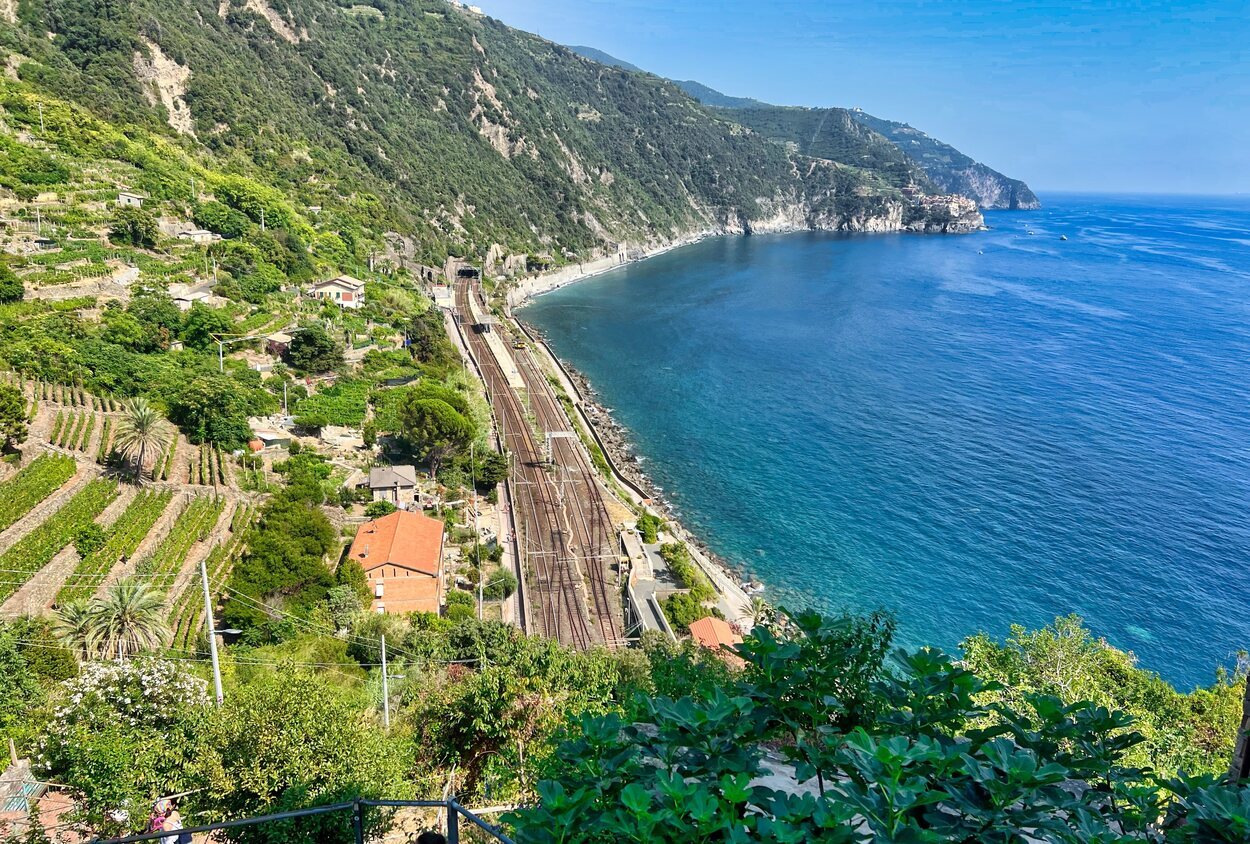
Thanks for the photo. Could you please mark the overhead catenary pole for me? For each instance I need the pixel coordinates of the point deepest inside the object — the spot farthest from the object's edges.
(386, 694)
(212, 634)
(477, 536)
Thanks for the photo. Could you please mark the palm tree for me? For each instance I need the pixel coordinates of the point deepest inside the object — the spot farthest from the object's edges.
(760, 612)
(141, 428)
(71, 624)
(129, 617)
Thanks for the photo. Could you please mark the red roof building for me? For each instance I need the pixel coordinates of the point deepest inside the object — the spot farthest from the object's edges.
(402, 555)
(715, 634)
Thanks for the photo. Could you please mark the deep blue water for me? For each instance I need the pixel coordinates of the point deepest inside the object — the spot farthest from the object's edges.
(969, 430)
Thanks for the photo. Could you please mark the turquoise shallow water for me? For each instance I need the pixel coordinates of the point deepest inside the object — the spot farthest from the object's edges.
(969, 430)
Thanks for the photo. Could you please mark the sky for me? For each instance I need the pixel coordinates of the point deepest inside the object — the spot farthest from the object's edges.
(1143, 97)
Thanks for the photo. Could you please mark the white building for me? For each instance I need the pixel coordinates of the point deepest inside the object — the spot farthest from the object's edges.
(344, 291)
(198, 235)
(186, 295)
(130, 200)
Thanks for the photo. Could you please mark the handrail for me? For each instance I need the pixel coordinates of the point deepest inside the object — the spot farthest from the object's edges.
(451, 806)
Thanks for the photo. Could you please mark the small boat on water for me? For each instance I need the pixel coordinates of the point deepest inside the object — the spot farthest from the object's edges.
(1063, 237)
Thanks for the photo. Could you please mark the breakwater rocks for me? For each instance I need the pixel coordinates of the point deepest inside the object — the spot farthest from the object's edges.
(612, 434)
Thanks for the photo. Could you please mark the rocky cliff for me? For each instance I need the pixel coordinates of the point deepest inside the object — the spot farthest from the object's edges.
(952, 171)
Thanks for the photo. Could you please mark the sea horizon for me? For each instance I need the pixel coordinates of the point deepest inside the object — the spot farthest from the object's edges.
(705, 277)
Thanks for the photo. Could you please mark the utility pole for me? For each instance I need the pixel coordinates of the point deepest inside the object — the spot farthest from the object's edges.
(262, 219)
(41, 129)
(386, 692)
(212, 633)
(477, 536)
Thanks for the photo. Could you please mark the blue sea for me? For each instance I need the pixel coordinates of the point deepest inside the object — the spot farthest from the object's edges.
(971, 431)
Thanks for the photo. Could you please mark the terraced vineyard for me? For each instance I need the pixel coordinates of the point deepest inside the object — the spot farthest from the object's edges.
(188, 610)
(34, 550)
(194, 524)
(35, 482)
(72, 430)
(123, 538)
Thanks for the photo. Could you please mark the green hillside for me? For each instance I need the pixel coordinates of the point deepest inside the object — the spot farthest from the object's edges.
(838, 134)
(833, 134)
(950, 169)
(430, 121)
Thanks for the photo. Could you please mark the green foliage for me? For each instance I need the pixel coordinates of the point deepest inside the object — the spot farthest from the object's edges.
(125, 733)
(650, 525)
(25, 165)
(1192, 732)
(433, 420)
(494, 709)
(908, 763)
(499, 585)
(35, 482)
(11, 287)
(222, 219)
(682, 608)
(20, 691)
(313, 350)
(343, 403)
(89, 538)
(302, 743)
(13, 427)
(285, 560)
(210, 408)
(133, 227)
(201, 323)
(377, 509)
(101, 551)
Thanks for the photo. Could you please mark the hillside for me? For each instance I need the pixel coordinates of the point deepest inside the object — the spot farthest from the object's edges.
(441, 125)
(950, 169)
(831, 133)
(834, 134)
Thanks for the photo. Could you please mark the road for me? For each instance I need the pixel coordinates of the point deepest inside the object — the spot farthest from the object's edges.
(568, 545)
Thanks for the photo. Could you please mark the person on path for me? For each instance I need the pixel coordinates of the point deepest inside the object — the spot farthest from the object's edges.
(173, 823)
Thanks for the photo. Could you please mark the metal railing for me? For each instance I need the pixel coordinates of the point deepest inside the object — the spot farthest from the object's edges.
(357, 808)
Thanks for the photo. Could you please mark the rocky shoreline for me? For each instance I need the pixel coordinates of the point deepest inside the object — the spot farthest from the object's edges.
(621, 453)
(925, 214)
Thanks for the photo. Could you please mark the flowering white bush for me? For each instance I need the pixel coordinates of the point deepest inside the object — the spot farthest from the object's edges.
(133, 696)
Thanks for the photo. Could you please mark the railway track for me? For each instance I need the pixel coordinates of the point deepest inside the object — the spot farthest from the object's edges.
(566, 537)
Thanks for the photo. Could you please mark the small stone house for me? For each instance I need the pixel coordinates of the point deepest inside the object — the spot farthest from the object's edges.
(126, 199)
(344, 291)
(396, 484)
(197, 235)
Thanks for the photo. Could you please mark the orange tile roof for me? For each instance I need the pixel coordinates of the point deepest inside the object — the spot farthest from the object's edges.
(715, 633)
(411, 540)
